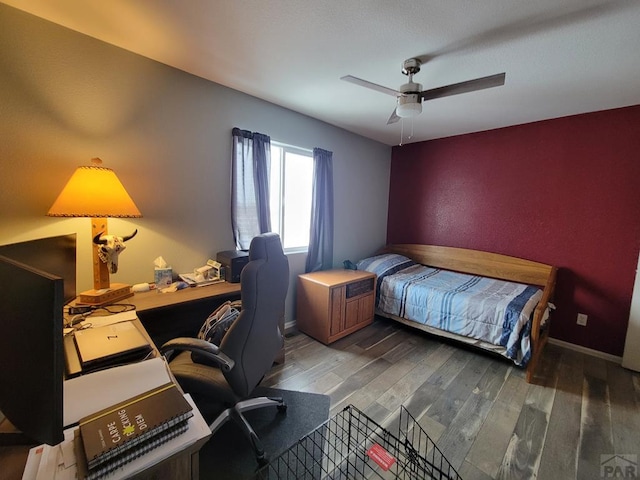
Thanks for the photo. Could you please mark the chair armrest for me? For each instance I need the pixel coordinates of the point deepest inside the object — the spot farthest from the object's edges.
(203, 347)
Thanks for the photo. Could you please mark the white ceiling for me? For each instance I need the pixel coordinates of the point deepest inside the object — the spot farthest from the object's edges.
(561, 57)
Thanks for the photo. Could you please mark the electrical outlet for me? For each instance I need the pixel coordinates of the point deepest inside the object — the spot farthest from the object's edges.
(582, 319)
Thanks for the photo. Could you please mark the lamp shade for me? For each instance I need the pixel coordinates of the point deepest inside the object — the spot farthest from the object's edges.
(94, 191)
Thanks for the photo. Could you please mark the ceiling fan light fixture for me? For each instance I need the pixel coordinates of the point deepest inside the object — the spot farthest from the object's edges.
(409, 110)
(409, 106)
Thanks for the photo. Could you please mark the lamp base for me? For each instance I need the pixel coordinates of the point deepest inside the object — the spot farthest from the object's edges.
(115, 292)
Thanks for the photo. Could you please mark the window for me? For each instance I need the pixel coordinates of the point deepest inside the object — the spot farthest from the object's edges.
(290, 188)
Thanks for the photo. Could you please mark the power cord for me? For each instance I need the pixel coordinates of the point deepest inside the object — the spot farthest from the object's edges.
(80, 313)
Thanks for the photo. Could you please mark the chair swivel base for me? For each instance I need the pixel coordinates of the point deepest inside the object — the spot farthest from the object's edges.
(235, 413)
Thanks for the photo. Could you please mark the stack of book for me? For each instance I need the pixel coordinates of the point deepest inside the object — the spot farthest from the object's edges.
(115, 436)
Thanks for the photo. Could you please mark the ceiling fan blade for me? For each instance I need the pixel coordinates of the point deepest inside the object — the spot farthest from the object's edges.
(372, 86)
(393, 118)
(464, 87)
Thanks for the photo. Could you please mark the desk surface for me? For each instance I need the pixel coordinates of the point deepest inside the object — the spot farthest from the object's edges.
(181, 464)
(153, 299)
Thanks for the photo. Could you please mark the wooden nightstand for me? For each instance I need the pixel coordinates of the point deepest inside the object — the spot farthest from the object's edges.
(335, 303)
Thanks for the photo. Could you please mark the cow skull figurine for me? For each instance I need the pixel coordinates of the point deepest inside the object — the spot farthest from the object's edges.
(109, 246)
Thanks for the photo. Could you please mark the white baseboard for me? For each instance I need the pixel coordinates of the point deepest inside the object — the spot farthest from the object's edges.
(289, 327)
(585, 350)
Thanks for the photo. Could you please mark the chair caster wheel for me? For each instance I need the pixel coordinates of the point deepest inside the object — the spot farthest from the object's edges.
(282, 408)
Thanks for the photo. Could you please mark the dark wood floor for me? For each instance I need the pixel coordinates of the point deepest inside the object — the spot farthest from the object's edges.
(486, 419)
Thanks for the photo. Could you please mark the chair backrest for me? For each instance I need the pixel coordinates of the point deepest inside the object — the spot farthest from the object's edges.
(254, 339)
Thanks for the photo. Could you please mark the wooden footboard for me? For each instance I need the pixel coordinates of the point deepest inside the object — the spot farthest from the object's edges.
(492, 265)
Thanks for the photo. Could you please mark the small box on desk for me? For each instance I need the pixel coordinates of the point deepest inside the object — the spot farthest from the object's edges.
(115, 292)
(233, 261)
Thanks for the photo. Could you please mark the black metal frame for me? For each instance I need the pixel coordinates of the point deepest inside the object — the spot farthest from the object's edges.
(340, 449)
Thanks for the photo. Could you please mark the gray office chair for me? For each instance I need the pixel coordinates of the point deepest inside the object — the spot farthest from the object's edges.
(229, 373)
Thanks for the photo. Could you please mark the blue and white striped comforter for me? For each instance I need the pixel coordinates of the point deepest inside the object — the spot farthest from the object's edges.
(487, 309)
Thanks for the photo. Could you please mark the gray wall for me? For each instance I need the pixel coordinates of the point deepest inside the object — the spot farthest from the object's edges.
(66, 97)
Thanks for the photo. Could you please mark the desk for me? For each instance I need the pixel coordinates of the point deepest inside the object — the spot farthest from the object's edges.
(182, 313)
(153, 300)
(183, 464)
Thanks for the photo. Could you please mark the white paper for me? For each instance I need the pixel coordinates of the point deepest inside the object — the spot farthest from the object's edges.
(103, 320)
(47, 467)
(63, 471)
(58, 461)
(92, 392)
(33, 463)
(68, 452)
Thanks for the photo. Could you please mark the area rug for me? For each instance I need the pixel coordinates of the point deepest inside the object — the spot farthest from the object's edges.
(228, 454)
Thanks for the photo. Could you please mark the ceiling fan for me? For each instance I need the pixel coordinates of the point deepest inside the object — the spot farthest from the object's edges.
(410, 95)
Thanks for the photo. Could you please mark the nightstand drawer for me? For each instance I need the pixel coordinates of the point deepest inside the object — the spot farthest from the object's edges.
(360, 288)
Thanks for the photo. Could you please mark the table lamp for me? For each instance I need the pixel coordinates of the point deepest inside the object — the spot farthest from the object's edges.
(95, 191)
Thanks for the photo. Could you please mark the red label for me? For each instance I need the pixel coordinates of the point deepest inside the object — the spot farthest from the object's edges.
(381, 456)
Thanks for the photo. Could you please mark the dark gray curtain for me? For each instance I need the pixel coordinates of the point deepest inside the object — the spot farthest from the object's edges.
(250, 166)
(320, 256)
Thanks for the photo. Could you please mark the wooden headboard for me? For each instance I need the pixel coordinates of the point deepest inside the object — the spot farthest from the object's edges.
(476, 262)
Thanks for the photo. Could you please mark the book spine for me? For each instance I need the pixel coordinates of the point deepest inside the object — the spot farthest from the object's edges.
(117, 462)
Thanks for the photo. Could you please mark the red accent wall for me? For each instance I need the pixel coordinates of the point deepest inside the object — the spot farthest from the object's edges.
(564, 192)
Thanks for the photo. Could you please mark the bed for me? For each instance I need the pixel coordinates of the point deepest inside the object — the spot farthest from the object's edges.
(495, 302)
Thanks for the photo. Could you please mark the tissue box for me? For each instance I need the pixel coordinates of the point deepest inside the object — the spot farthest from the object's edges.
(163, 277)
